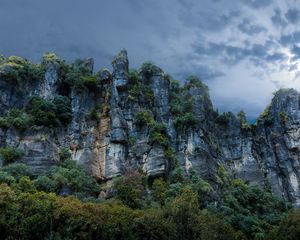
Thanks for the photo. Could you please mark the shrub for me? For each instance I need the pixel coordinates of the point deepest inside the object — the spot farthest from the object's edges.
(70, 174)
(183, 121)
(143, 118)
(42, 111)
(194, 81)
(283, 118)
(147, 69)
(95, 113)
(181, 107)
(6, 178)
(158, 134)
(289, 228)
(17, 118)
(159, 188)
(63, 109)
(44, 183)
(130, 189)
(50, 114)
(90, 81)
(137, 91)
(223, 119)
(10, 154)
(17, 170)
(64, 154)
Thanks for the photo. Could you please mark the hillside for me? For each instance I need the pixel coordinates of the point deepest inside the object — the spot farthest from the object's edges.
(142, 128)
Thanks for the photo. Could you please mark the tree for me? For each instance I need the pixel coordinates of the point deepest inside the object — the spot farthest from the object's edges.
(130, 189)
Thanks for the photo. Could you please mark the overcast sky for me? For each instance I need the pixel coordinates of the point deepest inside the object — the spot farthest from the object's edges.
(242, 49)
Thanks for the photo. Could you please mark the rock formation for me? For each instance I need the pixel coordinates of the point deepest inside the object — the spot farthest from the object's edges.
(106, 138)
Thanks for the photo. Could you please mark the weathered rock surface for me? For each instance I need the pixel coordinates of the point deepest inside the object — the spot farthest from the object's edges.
(112, 143)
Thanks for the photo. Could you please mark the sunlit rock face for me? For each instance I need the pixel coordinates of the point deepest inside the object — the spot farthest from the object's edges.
(105, 137)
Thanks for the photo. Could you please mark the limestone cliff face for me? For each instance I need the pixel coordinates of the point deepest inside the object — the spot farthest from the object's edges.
(104, 136)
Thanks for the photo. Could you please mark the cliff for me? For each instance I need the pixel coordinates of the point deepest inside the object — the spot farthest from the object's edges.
(112, 123)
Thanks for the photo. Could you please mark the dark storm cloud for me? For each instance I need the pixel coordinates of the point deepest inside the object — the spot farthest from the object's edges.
(293, 16)
(209, 38)
(204, 72)
(233, 55)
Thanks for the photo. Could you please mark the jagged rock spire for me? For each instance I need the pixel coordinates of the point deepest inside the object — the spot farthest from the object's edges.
(120, 69)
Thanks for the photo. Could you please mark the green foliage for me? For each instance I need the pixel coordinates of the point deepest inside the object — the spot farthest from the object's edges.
(181, 107)
(194, 82)
(185, 121)
(223, 119)
(63, 111)
(95, 113)
(39, 112)
(139, 92)
(10, 154)
(251, 210)
(18, 71)
(147, 69)
(70, 174)
(283, 117)
(130, 189)
(79, 76)
(243, 119)
(6, 178)
(158, 134)
(64, 154)
(266, 116)
(143, 118)
(27, 213)
(50, 57)
(159, 188)
(289, 227)
(50, 114)
(16, 118)
(42, 111)
(17, 170)
(90, 81)
(184, 210)
(44, 183)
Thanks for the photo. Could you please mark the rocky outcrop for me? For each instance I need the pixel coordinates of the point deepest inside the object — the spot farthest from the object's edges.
(105, 137)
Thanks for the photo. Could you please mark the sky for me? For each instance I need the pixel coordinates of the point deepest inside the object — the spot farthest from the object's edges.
(244, 50)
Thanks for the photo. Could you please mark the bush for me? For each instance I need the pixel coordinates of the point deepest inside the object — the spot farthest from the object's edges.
(159, 188)
(10, 154)
(71, 175)
(181, 107)
(194, 82)
(64, 154)
(6, 178)
(17, 170)
(147, 69)
(130, 189)
(16, 118)
(143, 118)
(289, 228)
(223, 119)
(50, 114)
(95, 113)
(63, 109)
(90, 81)
(139, 92)
(158, 134)
(42, 111)
(44, 183)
